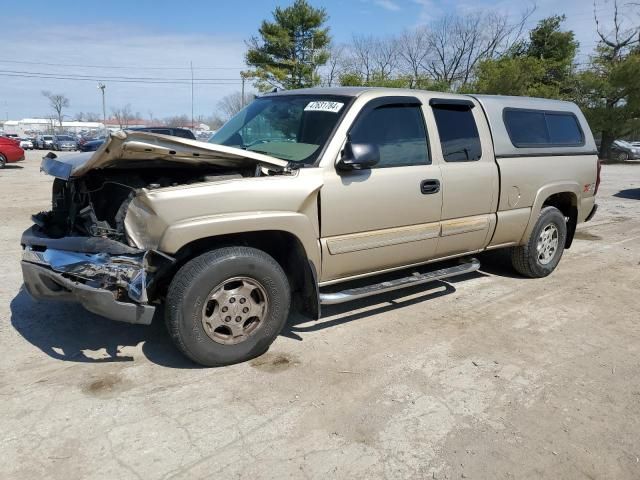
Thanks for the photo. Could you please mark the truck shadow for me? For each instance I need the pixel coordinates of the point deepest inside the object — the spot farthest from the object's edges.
(629, 193)
(68, 332)
(333, 315)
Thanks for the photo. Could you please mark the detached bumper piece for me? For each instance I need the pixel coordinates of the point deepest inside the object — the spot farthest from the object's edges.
(100, 282)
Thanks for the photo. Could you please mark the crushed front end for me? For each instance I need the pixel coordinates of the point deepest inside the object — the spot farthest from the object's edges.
(89, 248)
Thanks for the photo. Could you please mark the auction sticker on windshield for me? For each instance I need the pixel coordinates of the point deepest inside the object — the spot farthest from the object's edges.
(323, 106)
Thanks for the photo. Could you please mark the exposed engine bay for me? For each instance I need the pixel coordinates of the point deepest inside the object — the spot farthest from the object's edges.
(81, 251)
(95, 205)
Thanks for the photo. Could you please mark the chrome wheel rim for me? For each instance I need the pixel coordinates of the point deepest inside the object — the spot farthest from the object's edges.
(547, 244)
(235, 310)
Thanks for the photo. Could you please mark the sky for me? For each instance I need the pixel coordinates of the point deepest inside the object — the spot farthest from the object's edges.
(158, 40)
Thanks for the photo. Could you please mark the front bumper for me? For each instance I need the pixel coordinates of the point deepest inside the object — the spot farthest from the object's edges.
(45, 284)
(114, 286)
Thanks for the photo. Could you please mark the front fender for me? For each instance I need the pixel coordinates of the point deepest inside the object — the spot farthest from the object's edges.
(297, 224)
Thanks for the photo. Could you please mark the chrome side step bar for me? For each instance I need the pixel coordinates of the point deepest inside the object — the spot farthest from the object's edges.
(415, 279)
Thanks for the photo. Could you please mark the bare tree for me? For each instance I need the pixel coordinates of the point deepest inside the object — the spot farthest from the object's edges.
(179, 121)
(385, 57)
(361, 56)
(334, 66)
(93, 117)
(123, 115)
(58, 102)
(620, 38)
(231, 104)
(458, 43)
(413, 51)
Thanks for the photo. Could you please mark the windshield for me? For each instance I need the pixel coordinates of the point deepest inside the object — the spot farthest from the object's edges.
(288, 127)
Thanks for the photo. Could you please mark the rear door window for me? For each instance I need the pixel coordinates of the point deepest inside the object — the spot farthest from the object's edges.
(458, 132)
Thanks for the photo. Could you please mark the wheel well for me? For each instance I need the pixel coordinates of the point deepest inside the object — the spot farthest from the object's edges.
(567, 203)
(284, 247)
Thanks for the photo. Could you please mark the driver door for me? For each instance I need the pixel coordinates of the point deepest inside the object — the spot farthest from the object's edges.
(387, 216)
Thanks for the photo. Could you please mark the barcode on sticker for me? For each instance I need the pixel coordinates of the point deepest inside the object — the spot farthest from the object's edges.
(323, 106)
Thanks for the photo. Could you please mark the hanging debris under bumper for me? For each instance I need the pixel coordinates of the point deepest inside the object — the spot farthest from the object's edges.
(45, 284)
(114, 286)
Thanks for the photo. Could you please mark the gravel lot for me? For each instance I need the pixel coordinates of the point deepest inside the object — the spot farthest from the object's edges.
(489, 376)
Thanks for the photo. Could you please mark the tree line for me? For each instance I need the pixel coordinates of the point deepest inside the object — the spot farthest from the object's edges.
(487, 52)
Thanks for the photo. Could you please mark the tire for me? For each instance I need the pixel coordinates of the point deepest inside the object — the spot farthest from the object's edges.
(531, 262)
(227, 305)
(3, 161)
(623, 156)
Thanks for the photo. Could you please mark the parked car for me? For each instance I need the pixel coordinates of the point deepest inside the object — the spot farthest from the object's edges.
(44, 142)
(622, 150)
(26, 144)
(173, 131)
(91, 145)
(12, 139)
(10, 151)
(64, 142)
(301, 194)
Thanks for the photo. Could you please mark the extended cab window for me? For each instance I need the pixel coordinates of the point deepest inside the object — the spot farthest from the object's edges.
(541, 128)
(399, 133)
(458, 132)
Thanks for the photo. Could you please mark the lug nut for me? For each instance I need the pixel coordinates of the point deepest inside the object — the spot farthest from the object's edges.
(224, 309)
(232, 300)
(242, 300)
(245, 310)
(238, 319)
(227, 319)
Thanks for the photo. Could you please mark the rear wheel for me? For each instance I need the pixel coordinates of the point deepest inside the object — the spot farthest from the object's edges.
(227, 306)
(623, 156)
(543, 250)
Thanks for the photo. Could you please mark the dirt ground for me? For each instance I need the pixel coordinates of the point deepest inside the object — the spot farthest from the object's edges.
(489, 376)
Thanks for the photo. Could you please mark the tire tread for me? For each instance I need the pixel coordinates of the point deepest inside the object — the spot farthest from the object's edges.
(182, 281)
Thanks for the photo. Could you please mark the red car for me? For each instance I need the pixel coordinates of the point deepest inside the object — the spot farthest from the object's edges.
(10, 151)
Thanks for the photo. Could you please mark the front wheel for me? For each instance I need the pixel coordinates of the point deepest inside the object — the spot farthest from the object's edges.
(623, 156)
(543, 250)
(3, 161)
(227, 305)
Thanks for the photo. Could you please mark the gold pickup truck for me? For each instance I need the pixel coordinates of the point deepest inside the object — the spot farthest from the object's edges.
(306, 198)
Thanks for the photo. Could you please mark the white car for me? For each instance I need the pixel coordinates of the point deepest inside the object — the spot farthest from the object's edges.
(26, 144)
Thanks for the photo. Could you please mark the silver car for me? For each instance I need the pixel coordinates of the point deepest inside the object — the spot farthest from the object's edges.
(64, 142)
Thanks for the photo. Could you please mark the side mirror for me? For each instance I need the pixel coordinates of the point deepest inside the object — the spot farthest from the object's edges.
(358, 156)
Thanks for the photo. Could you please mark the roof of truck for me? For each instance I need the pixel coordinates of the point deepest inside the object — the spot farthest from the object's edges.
(493, 107)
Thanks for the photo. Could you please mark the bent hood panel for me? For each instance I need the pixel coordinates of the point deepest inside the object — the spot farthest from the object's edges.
(127, 147)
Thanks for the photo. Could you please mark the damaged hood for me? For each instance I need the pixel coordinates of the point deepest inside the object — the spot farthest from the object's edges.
(127, 147)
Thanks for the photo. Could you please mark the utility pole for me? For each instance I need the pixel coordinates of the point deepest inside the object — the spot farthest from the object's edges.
(102, 86)
(191, 65)
(243, 77)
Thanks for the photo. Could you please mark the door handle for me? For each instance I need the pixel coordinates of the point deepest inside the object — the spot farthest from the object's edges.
(428, 187)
